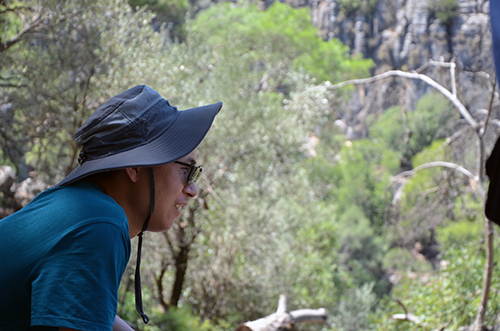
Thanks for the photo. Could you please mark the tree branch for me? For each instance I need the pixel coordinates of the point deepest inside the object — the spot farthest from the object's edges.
(413, 75)
(310, 315)
(401, 176)
(36, 20)
(282, 319)
(406, 316)
(450, 165)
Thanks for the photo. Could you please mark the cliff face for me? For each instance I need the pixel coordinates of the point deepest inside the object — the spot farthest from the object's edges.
(406, 33)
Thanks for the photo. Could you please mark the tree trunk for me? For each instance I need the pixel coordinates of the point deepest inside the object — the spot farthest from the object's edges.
(181, 263)
(478, 324)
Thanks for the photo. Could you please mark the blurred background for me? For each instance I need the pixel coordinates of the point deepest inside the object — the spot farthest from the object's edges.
(345, 170)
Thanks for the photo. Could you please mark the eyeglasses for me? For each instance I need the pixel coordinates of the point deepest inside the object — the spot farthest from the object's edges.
(194, 173)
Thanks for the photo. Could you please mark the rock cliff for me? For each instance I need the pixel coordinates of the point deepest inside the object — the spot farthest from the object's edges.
(407, 33)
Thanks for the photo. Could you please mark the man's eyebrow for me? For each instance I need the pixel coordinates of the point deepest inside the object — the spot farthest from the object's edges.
(190, 160)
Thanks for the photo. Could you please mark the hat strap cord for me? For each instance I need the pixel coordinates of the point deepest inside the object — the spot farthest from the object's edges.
(137, 280)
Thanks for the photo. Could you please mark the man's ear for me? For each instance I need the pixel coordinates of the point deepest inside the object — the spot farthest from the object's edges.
(133, 174)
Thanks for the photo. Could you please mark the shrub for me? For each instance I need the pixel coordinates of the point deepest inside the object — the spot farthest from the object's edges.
(445, 10)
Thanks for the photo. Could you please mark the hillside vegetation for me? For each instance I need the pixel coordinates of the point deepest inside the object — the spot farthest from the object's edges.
(303, 193)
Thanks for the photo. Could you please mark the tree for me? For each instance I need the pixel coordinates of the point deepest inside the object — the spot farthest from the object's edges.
(280, 36)
(63, 73)
(17, 20)
(257, 192)
(287, 203)
(478, 128)
(447, 299)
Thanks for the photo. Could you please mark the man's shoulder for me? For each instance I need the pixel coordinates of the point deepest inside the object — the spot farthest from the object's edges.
(80, 192)
(82, 201)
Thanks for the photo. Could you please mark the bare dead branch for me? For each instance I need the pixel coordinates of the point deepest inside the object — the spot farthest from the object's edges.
(310, 316)
(282, 305)
(402, 305)
(450, 65)
(452, 78)
(450, 165)
(495, 122)
(403, 176)
(11, 85)
(284, 320)
(413, 75)
(6, 8)
(457, 134)
(406, 316)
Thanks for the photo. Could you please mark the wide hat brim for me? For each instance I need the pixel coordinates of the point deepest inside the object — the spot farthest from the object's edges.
(181, 138)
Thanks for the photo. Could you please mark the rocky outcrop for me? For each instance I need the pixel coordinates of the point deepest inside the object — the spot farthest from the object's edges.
(406, 33)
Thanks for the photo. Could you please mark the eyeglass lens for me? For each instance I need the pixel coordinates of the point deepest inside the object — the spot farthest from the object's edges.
(194, 173)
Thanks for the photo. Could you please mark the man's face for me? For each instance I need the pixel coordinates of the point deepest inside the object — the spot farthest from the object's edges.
(172, 192)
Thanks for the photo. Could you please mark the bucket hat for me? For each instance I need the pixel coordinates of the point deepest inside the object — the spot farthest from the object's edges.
(138, 128)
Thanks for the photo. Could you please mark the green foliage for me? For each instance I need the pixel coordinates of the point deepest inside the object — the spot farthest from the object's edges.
(402, 260)
(265, 232)
(262, 198)
(63, 75)
(449, 296)
(430, 120)
(280, 35)
(361, 252)
(460, 233)
(357, 183)
(445, 10)
(420, 209)
(426, 179)
(353, 312)
(434, 152)
(269, 219)
(425, 190)
(174, 9)
(408, 132)
(352, 7)
(466, 224)
(172, 13)
(10, 23)
(179, 319)
(262, 232)
(364, 168)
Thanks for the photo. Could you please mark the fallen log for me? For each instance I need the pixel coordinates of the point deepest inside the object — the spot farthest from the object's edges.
(283, 319)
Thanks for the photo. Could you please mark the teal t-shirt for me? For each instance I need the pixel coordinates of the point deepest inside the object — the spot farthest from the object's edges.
(62, 258)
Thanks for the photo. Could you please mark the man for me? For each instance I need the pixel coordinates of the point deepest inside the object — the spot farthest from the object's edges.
(64, 254)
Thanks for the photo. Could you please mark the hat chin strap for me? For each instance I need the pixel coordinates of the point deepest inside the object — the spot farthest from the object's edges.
(137, 280)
